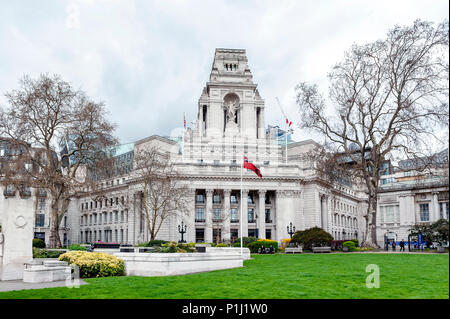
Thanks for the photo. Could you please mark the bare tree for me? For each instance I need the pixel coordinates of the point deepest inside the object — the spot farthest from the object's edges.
(60, 132)
(390, 98)
(163, 194)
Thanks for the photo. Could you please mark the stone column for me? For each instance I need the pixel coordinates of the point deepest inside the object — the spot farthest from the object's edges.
(133, 214)
(208, 217)
(324, 212)
(226, 216)
(189, 220)
(244, 220)
(261, 222)
(435, 207)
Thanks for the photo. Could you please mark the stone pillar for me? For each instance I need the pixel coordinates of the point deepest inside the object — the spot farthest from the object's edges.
(133, 219)
(226, 216)
(261, 222)
(435, 207)
(208, 217)
(16, 238)
(324, 212)
(190, 218)
(244, 220)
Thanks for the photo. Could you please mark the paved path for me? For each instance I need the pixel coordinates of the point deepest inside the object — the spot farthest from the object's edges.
(8, 285)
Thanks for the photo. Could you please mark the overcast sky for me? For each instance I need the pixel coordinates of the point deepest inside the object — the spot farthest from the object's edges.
(149, 60)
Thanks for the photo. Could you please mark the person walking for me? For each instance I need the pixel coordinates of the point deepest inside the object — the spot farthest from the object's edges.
(393, 245)
(402, 245)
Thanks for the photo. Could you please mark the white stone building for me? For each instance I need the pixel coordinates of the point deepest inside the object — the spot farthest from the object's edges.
(410, 196)
(230, 125)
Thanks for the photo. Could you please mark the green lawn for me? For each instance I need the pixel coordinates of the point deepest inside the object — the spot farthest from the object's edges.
(279, 276)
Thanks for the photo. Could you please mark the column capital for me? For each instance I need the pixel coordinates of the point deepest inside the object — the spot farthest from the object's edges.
(227, 192)
(262, 191)
(209, 192)
(245, 191)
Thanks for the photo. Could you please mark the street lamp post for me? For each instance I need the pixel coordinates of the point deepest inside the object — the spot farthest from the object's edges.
(291, 229)
(182, 231)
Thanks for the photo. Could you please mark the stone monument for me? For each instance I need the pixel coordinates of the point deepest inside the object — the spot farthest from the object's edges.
(16, 238)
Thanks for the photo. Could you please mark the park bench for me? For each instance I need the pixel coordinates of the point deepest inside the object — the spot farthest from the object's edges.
(321, 249)
(293, 250)
(266, 251)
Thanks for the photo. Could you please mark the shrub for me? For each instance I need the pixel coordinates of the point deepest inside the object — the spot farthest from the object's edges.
(313, 237)
(156, 242)
(356, 241)
(45, 253)
(95, 264)
(337, 244)
(350, 245)
(77, 247)
(174, 247)
(38, 243)
(245, 241)
(254, 246)
(221, 245)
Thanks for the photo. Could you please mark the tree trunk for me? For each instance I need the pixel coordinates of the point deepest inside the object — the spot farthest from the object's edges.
(54, 240)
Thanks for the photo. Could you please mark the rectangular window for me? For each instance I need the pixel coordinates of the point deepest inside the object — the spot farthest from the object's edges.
(268, 220)
(250, 199)
(199, 215)
(216, 199)
(233, 234)
(233, 199)
(199, 235)
(390, 214)
(251, 215)
(116, 216)
(40, 220)
(40, 204)
(424, 213)
(267, 199)
(234, 216)
(268, 234)
(200, 198)
(216, 216)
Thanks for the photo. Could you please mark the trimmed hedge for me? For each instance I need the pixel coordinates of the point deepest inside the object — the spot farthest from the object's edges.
(350, 245)
(38, 243)
(77, 247)
(156, 242)
(93, 264)
(256, 245)
(245, 241)
(45, 253)
(222, 245)
(174, 247)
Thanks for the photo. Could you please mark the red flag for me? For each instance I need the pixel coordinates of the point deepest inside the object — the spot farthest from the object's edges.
(252, 167)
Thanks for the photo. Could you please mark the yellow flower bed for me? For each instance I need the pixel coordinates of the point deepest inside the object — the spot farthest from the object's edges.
(93, 264)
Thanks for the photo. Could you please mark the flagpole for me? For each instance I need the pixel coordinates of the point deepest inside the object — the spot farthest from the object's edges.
(184, 131)
(285, 133)
(242, 168)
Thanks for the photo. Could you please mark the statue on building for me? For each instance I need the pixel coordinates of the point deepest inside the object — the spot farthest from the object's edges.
(231, 107)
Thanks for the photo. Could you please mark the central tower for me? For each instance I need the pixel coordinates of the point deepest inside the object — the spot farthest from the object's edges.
(230, 104)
